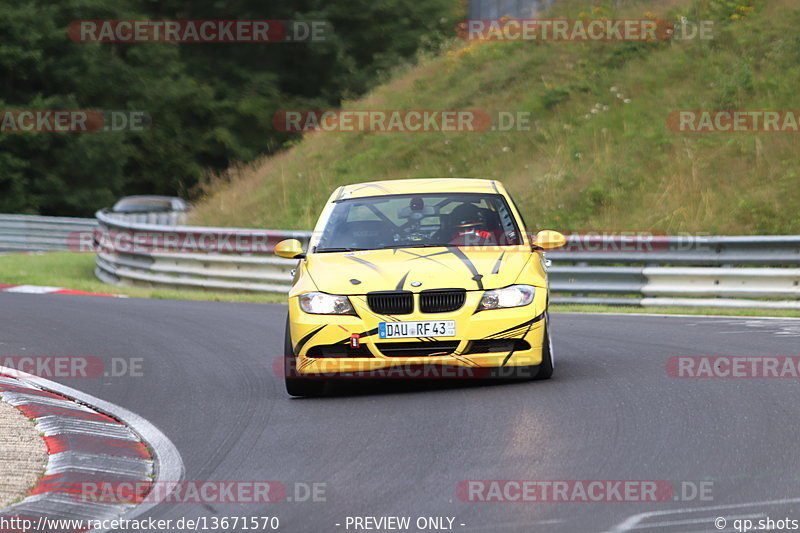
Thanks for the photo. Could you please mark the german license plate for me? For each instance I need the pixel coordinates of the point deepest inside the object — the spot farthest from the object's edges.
(423, 328)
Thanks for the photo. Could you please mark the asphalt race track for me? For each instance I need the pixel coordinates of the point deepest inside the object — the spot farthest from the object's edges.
(611, 412)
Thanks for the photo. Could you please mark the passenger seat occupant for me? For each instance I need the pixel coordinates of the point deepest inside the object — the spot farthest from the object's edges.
(359, 234)
(368, 234)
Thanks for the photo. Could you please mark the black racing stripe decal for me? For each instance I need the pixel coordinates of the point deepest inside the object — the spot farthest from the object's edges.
(307, 338)
(510, 335)
(496, 268)
(426, 256)
(429, 257)
(363, 262)
(513, 334)
(470, 361)
(369, 333)
(512, 351)
(518, 326)
(402, 282)
(476, 277)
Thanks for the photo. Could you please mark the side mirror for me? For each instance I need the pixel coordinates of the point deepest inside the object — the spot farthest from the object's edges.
(290, 249)
(548, 239)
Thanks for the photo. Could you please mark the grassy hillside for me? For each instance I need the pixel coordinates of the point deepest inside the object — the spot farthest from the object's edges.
(599, 155)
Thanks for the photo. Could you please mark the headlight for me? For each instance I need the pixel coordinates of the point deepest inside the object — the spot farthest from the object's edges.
(320, 303)
(513, 296)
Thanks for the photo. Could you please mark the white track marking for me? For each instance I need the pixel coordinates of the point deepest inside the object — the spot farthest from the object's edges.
(33, 289)
(630, 523)
(168, 461)
(495, 527)
(709, 519)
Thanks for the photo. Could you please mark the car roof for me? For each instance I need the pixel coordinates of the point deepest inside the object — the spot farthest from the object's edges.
(149, 197)
(419, 185)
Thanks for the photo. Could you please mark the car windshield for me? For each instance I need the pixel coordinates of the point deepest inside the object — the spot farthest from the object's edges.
(142, 205)
(419, 220)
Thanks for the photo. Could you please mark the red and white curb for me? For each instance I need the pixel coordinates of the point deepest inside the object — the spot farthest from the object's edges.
(90, 443)
(41, 289)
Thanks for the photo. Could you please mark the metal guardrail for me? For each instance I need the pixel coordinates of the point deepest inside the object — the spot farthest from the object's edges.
(165, 218)
(683, 271)
(35, 233)
(590, 269)
(205, 268)
(680, 287)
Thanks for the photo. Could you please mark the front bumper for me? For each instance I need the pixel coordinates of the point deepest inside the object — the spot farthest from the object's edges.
(487, 339)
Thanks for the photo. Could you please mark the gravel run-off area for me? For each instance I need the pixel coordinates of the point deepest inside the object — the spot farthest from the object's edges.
(23, 455)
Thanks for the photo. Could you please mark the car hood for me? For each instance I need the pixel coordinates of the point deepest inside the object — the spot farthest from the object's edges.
(403, 268)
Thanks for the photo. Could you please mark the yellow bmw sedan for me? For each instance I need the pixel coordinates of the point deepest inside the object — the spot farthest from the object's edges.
(418, 278)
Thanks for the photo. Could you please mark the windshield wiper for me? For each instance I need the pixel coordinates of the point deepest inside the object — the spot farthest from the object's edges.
(416, 246)
(324, 250)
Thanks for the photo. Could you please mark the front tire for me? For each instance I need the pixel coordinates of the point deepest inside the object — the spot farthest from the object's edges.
(295, 385)
(545, 369)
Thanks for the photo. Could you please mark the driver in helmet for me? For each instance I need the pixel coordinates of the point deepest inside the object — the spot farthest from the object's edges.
(469, 225)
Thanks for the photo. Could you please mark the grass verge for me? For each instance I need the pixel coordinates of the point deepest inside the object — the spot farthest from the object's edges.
(598, 155)
(76, 271)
